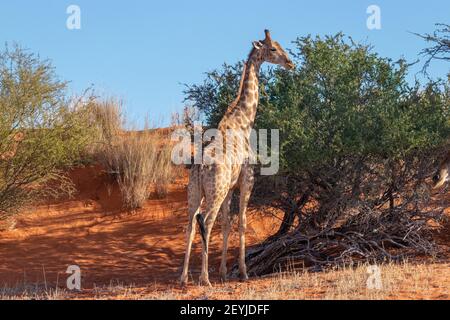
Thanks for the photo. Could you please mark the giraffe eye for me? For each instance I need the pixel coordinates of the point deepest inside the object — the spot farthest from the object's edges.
(273, 49)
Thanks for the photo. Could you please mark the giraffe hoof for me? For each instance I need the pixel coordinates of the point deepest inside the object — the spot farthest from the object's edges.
(243, 278)
(184, 281)
(205, 283)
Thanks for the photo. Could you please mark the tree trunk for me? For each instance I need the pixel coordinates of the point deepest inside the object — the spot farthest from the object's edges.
(293, 210)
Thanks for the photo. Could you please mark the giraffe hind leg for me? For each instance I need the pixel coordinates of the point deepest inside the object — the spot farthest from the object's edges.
(246, 188)
(195, 198)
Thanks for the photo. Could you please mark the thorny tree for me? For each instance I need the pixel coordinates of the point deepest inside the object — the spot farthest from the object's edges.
(356, 140)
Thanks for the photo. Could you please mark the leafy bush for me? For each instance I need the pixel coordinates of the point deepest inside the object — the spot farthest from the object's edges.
(356, 142)
(41, 131)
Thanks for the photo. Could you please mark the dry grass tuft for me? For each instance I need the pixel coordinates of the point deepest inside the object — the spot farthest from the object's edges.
(136, 160)
(32, 293)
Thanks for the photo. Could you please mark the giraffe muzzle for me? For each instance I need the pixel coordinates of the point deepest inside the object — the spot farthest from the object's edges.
(290, 65)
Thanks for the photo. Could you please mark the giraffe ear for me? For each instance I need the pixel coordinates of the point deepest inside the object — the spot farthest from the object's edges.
(257, 45)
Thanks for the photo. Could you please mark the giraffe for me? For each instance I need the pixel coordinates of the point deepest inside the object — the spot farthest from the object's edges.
(442, 175)
(215, 183)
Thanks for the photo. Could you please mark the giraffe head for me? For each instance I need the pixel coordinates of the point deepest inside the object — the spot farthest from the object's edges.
(442, 175)
(272, 52)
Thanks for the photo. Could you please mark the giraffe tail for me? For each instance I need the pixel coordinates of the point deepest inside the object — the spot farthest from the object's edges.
(201, 224)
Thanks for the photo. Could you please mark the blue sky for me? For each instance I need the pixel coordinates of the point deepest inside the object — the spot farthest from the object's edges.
(143, 51)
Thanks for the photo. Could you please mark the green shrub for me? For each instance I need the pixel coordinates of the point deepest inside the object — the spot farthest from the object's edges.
(41, 131)
(356, 140)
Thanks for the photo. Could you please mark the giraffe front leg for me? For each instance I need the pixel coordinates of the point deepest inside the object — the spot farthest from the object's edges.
(226, 226)
(242, 229)
(246, 190)
(194, 203)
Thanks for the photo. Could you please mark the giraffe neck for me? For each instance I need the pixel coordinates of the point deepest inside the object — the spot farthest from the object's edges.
(241, 114)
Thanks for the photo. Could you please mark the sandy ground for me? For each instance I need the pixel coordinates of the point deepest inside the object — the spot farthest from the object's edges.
(139, 255)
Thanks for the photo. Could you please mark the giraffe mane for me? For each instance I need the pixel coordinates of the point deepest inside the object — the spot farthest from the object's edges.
(239, 92)
(235, 102)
